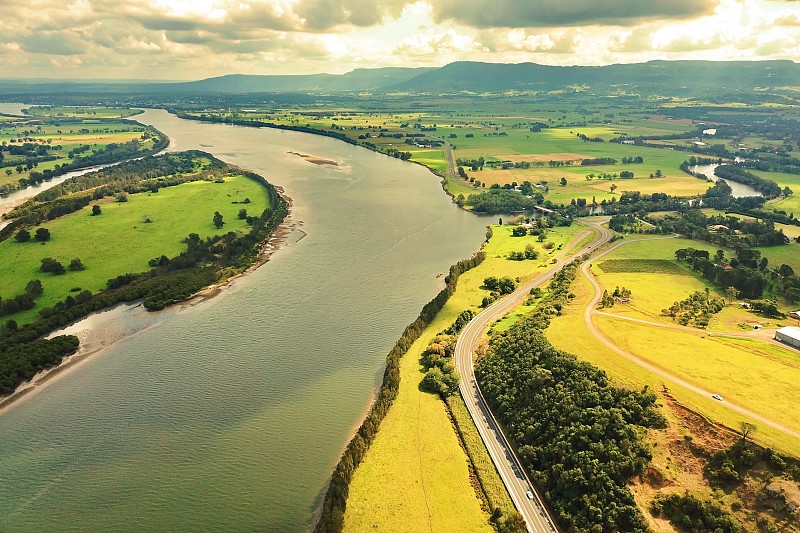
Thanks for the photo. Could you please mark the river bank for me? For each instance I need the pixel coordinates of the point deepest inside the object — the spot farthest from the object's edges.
(132, 312)
(257, 389)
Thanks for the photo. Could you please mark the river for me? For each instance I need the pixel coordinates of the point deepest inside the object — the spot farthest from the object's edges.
(738, 190)
(230, 414)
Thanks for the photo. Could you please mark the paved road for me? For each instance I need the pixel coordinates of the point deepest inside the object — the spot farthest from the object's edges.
(517, 482)
(587, 318)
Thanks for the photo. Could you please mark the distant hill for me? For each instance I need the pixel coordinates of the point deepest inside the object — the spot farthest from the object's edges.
(676, 78)
(357, 80)
(669, 76)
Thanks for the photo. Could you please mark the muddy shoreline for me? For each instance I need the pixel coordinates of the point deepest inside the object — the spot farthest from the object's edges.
(277, 239)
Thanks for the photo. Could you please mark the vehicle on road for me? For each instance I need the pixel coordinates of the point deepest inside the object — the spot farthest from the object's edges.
(717, 397)
(529, 494)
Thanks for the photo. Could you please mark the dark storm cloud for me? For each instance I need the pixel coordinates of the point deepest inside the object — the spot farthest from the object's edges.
(546, 13)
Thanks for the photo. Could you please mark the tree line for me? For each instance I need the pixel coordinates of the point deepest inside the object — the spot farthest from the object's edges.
(331, 518)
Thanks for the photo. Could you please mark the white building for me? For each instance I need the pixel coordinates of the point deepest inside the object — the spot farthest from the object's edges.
(789, 335)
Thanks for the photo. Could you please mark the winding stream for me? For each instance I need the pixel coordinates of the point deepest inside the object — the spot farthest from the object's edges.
(228, 415)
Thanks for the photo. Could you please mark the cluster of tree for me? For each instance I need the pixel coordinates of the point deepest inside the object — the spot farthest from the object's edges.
(722, 230)
(497, 287)
(728, 467)
(590, 139)
(495, 201)
(693, 515)
(768, 188)
(23, 301)
(440, 376)
(577, 435)
(20, 362)
(474, 164)
(41, 235)
(529, 253)
(331, 519)
(630, 160)
(609, 299)
(737, 273)
(696, 309)
(598, 161)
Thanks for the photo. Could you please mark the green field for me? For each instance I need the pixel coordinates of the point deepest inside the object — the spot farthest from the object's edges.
(60, 137)
(416, 457)
(81, 112)
(120, 241)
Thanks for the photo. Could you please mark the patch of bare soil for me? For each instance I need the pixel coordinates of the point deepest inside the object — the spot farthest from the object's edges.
(765, 500)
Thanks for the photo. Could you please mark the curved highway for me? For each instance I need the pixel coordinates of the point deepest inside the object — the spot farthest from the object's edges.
(519, 486)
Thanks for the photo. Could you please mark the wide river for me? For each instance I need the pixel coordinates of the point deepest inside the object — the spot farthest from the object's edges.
(230, 414)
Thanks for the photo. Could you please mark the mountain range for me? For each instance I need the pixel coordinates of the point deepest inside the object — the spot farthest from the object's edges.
(673, 77)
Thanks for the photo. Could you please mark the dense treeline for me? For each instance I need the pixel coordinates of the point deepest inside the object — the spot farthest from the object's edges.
(498, 201)
(332, 515)
(579, 436)
(20, 362)
(170, 280)
(111, 153)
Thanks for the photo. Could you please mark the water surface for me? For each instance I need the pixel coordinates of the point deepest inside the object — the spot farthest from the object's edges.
(229, 415)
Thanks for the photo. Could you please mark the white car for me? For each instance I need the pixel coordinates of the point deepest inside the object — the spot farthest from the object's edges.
(717, 397)
(529, 494)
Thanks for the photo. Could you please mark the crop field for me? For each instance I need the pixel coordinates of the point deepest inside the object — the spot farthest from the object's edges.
(416, 457)
(122, 239)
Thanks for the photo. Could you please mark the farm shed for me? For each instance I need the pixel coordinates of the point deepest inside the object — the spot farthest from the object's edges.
(789, 335)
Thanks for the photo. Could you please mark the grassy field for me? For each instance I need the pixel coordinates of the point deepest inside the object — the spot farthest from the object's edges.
(416, 460)
(81, 112)
(61, 136)
(569, 333)
(761, 377)
(120, 240)
(752, 373)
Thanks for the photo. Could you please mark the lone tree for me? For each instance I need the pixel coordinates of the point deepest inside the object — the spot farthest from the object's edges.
(96, 210)
(42, 234)
(23, 235)
(731, 293)
(242, 214)
(218, 219)
(76, 265)
(747, 430)
(563, 182)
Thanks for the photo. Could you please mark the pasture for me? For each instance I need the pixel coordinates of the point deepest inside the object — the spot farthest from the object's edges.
(120, 239)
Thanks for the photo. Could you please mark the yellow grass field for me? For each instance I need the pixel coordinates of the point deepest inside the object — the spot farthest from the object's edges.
(568, 332)
(415, 476)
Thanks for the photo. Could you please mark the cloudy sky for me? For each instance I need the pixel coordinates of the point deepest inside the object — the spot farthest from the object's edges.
(191, 39)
